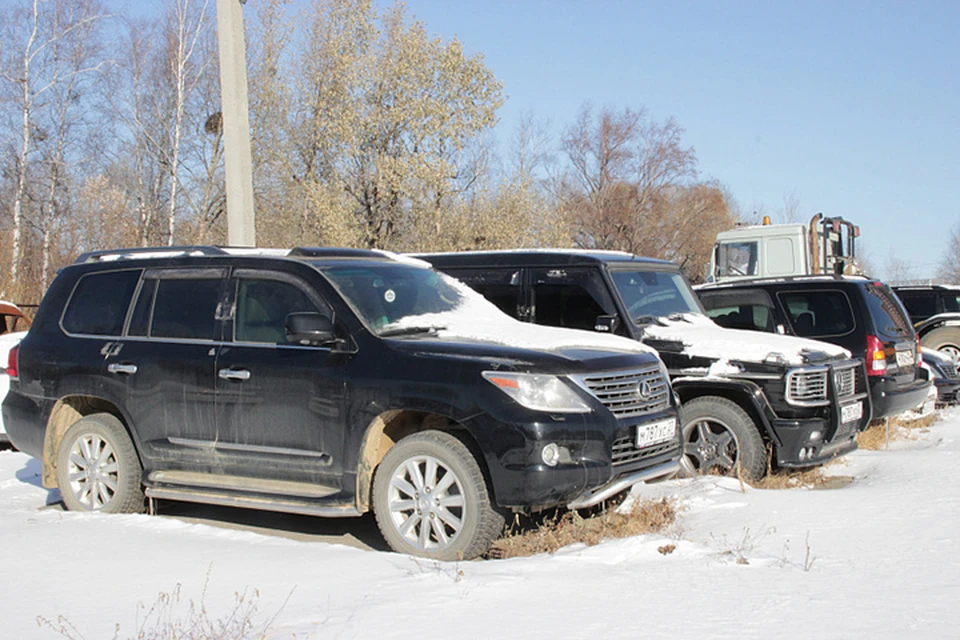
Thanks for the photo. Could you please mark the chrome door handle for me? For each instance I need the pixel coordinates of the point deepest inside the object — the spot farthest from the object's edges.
(234, 374)
(128, 369)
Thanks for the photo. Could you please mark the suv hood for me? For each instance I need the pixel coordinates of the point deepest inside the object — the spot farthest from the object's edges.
(698, 336)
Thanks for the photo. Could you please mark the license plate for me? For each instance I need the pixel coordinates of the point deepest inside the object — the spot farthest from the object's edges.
(851, 412)
(655, 432)
(905, 358)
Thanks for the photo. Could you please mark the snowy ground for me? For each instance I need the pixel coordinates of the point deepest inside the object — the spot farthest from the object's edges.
(877, 558)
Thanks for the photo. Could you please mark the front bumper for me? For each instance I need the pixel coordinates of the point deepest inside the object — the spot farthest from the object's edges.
(947, 392)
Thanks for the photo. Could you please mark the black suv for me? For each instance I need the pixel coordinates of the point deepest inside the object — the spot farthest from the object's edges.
(741, 393)
(327, 382)
(859, 314)
(935, 312)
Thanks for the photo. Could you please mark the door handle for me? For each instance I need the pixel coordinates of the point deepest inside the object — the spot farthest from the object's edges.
(128, 369)
(234, 374)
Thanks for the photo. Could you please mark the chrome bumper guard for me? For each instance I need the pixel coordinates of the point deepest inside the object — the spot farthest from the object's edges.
(598, 495)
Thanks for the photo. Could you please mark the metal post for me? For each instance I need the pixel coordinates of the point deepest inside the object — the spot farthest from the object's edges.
(241, 226)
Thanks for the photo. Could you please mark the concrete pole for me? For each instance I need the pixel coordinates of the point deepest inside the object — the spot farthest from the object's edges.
(241, 226)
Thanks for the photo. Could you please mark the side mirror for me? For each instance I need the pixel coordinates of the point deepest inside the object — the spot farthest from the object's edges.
(606, 324)
(309, 329)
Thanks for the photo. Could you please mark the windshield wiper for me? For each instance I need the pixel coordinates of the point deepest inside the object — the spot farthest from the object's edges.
(648, 319)
(409, 331)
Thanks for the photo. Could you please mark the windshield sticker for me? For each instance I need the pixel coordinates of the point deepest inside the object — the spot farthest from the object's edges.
(389, 295)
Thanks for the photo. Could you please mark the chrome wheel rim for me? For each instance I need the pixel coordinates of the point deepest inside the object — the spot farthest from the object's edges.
(93, 472)
(709, 446)
(951, 350)
(426, 503)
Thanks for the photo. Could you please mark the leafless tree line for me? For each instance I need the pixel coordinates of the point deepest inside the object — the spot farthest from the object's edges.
(367, 131)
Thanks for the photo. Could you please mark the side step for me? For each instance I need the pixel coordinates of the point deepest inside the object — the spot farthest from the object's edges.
(249, 493)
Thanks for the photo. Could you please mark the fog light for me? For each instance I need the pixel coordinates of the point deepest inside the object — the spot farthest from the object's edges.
(803, 454)
(550, 454)
(815, 436)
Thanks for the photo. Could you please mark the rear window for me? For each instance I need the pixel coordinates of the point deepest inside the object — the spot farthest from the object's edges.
(98, 305)
(889, 316)
(818, 313)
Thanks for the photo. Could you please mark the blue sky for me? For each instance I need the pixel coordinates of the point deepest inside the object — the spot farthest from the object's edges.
(851, 108)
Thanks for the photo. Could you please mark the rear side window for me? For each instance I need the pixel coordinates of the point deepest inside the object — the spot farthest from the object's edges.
(98, 305)
(744, 309)
(889, 316)
(818, 313)
(186, 309)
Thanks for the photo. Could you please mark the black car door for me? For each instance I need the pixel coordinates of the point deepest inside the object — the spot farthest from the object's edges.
(279, 405)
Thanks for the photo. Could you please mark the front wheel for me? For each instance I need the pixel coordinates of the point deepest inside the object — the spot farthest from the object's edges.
(720, 438)
(431, 500)
(98, 468)
(946, 339)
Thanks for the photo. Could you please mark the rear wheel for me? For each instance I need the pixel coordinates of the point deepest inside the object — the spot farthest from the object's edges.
(720, 438)
(946, 339)
(98, 468)
(430, 499)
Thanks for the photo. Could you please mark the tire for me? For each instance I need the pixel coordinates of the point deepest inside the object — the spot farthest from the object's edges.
(461, 521)
(945, 339)
(719, 437)
(98, 468)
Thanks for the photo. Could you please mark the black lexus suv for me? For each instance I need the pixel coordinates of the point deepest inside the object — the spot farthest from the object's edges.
(860, 314)
(743, 394)
(326, 382)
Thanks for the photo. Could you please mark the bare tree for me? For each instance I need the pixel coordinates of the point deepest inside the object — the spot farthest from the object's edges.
(897, 270)
(949, 268)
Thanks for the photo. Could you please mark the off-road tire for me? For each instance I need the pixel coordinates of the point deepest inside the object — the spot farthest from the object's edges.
(943, 339)
(705, 423)
(98, 468)
(480, 523)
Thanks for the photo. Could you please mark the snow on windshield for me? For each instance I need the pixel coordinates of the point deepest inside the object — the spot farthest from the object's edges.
(471, 316)
(701, 336)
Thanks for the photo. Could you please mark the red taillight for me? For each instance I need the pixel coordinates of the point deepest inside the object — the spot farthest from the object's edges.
(13, 362)
(876, 357)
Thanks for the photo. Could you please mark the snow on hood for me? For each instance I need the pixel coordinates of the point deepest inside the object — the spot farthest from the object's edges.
(476, 318)
(702, 337)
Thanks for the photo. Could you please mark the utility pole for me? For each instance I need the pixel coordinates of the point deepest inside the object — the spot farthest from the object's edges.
(241, 226)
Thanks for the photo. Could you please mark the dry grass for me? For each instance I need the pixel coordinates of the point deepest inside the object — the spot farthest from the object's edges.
(560, 529)
(791, 479)
(878, 434)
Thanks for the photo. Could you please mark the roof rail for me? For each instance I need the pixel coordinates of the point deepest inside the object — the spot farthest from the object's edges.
(335, 252)
(149, 252)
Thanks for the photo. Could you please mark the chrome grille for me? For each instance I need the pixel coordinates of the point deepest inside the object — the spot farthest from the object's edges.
(625, 450)
(950, 370)
(845, 381)
(807, 386)
(628, 394)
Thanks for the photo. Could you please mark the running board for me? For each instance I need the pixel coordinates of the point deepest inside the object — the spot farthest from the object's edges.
(195, 480)
(225, 499)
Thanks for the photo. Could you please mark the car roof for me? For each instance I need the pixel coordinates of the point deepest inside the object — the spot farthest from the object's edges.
(540, 257)
(786, 281)
(926, 287)
(317, 256)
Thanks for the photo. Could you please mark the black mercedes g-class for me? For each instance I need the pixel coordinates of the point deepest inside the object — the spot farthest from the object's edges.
(857, 313)
(741, 392)
(326, 382)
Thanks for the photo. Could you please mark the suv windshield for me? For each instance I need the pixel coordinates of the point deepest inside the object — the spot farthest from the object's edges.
(384, 295)
(656, 294)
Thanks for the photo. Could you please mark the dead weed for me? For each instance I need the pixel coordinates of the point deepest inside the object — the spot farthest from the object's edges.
(559, 529)
(880, 433)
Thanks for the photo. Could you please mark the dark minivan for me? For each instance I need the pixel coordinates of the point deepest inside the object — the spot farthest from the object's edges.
(859, 314)
(327, 382)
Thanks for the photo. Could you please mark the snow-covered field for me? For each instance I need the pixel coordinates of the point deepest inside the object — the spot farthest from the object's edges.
(877, 558)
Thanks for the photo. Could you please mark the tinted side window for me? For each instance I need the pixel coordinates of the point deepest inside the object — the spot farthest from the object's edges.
(570, 298)
(951, 302)
(98, 305)
(920, 305)
(502, 287)
(818, 313)
(262, 309)
(747, 309)
(186, 308)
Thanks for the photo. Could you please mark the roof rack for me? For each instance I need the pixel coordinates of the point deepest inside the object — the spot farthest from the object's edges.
(149, 252)
(335, 252)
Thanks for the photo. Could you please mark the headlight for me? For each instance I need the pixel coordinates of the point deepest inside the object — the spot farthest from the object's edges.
(539, 392)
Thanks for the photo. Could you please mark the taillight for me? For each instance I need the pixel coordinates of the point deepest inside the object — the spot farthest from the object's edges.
(13, 362)
(876, 357)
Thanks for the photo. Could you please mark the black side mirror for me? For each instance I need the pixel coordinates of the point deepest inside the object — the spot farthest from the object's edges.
(310, 329)
(606, 324)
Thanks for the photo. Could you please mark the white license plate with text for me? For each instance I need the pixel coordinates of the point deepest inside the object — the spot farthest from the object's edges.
(655, 432)
(905, 358)
(851, 412)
